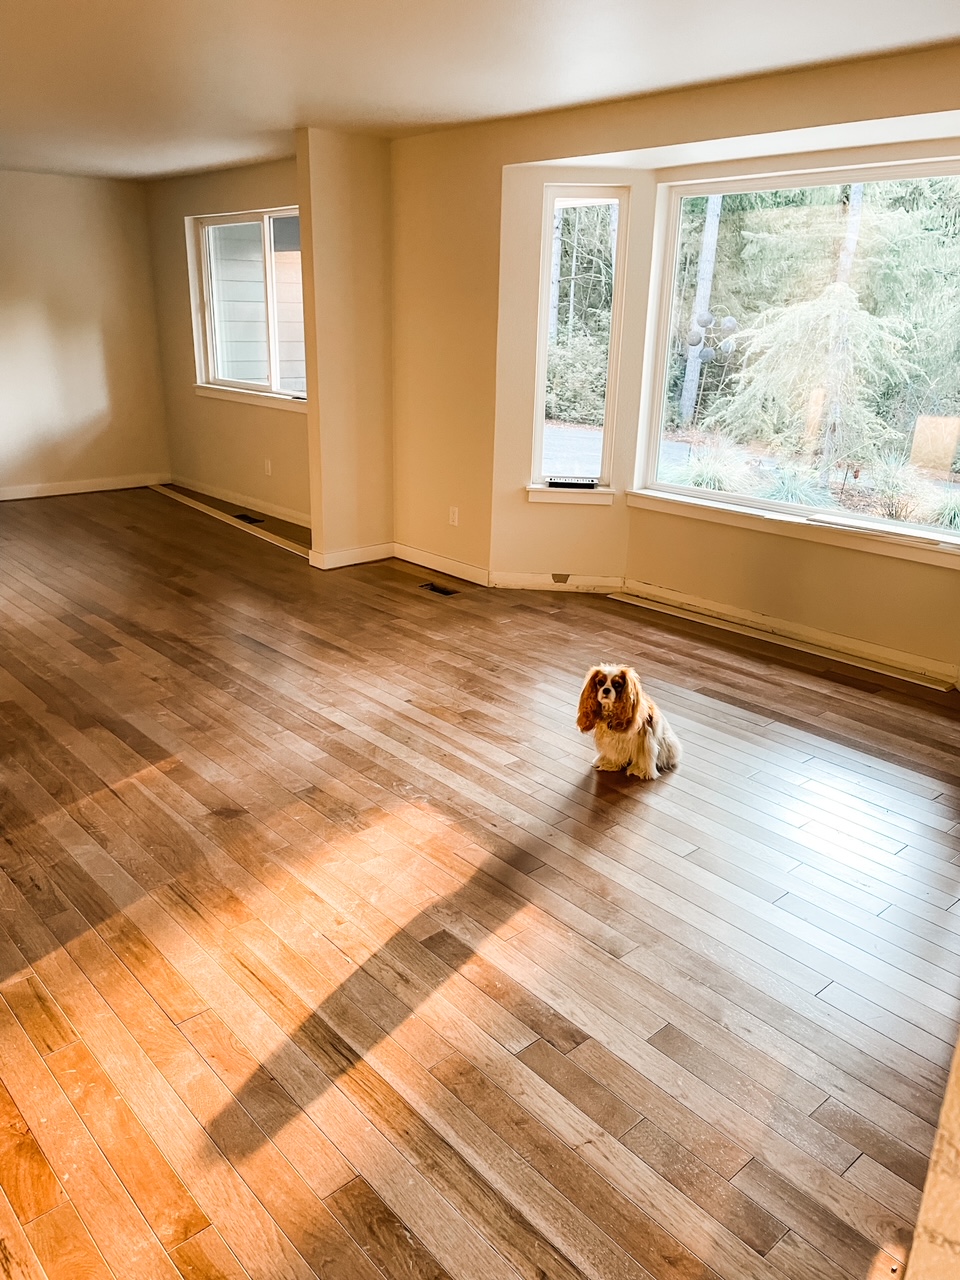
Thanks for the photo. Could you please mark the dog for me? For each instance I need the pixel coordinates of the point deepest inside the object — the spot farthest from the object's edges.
(629, 728)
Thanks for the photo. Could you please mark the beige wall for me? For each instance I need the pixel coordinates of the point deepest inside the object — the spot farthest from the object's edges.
(447, 204)
(219, 446)
(345, 218)
(80, 400)
(905, 608)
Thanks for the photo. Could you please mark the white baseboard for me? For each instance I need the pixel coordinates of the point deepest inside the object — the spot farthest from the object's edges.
(353, 555)
(12, 492)
(826, 644)
(386, 550)
(264, 534)
(442, 564)
(245, 500)
(549, 582)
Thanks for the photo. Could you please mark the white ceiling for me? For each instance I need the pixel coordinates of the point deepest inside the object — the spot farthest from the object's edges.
(122, 87)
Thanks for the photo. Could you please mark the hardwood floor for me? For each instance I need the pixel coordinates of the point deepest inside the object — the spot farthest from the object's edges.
(323, 952)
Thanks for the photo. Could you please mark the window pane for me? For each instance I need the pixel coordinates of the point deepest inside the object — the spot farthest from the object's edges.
(239, 302)
(288, 295)
(815, 349)
(578, 337)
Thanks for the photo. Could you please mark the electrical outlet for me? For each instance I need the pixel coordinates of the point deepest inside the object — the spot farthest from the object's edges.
(454, 515)
(267, 467)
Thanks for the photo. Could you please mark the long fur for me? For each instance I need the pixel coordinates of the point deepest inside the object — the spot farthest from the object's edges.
(629, 729)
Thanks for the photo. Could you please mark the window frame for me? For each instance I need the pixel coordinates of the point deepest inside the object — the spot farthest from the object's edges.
(671, 190)
(580, 191)
(202, 309)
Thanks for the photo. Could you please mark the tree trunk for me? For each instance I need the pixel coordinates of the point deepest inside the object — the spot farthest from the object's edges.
(852, 235)
(571, 300)
(555, 275)
(701, 303)
(848, 253)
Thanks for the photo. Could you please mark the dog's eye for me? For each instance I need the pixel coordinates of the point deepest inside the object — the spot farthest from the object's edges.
(617, 682)
(600, 678)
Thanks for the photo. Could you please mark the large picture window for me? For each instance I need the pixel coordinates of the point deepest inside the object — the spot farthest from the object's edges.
(810, 351)
(579, 309)
(250, 302)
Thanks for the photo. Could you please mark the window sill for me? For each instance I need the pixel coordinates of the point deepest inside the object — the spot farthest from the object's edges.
(900, 544)
(267, 399)
(602, 497)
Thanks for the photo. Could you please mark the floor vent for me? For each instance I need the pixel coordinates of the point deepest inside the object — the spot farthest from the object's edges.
(437, 589)
(247, 519)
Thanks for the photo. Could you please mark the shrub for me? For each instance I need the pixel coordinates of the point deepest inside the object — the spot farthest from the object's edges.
(946, 511)
(797, 483)
(718, 465)
(577, 379)
(898, 492)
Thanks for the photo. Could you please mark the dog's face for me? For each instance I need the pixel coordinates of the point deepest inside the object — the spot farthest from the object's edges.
(610, 693)
(610, 683)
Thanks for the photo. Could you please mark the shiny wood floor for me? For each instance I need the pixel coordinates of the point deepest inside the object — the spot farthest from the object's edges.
(324, 953)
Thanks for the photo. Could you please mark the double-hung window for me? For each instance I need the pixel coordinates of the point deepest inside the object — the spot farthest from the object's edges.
(248, 302)
(807, 348)
(580, 308)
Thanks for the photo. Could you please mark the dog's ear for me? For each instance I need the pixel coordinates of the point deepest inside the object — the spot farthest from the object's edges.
(588, 712)
(628, 703)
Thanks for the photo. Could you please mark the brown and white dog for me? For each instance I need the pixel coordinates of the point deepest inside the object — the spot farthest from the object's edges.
(628, 727)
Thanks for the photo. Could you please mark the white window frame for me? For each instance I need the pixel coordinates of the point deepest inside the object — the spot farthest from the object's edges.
(599, 192)
(203, 322)
(649, 491)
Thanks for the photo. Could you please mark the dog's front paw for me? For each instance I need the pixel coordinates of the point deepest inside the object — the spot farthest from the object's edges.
(605, 765)
(643, 774)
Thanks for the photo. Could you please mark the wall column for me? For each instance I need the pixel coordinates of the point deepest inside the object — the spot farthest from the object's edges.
(344, 196)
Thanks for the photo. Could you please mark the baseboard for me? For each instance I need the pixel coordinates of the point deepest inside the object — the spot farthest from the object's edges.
(442, 564)
(908, 666)
(264, 534)
(353, 555)
(13, 492)
(301, 518)
(554, 582)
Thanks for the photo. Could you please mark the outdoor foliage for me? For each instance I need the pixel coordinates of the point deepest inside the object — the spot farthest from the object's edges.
(580, 307)
(812, 328)
(577, 380)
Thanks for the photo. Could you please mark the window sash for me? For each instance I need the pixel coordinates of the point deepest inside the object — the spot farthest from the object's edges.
(207, 371)
(554, 197)
(666, 243)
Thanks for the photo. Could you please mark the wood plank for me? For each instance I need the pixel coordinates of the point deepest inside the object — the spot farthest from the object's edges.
(153, 1186)
(16, 1253)
(779, 1114)
(723, 1201)
(659, 1105)
(875, 1142)
(622, 1219)
(534, 1013)
(106, 1211)
(29, 1184)
(816, 1224)
(64, 1247)
(206, 1257)
(312, 1154)
(580, 1088)
(381, 1234)
(38, 1014)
